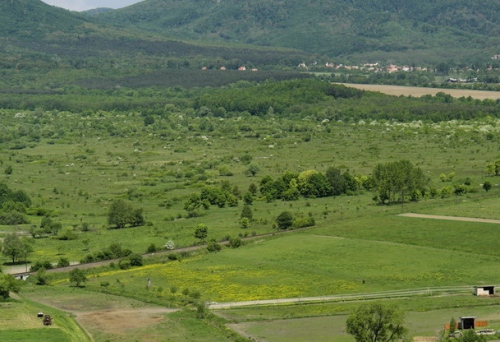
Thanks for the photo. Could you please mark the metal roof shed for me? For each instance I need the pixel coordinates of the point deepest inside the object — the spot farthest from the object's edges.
(467, 323)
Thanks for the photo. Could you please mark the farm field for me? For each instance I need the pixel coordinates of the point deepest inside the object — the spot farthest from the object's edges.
(424, 325)
(116, 318)
(19, 322)
(75, 167)
(421, 91)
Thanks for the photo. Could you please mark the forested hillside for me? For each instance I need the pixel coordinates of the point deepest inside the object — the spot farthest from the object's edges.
(33, 19)
(49, 46)
(423, 31)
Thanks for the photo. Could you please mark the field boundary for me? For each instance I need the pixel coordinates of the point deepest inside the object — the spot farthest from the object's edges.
(450, 218)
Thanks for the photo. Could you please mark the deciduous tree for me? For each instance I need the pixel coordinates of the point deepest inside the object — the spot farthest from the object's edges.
(7, 284)
(284, 220)
(376, 323)
(15, 248)
(77, 276)
(120, 214)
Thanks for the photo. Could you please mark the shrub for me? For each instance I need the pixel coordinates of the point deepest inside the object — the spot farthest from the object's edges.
(284, 220)
(174, 256)
(303, 222)
(63, 262)
(87, 259)
(213, 246)
(195, 294)
(151, 248)
(235, 242)
(135, 260)
(68, 234)
(45, 264)
(41, 277)
(124, 264)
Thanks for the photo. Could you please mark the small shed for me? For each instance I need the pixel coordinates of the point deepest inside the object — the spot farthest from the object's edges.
(467, 323)
(484, 290)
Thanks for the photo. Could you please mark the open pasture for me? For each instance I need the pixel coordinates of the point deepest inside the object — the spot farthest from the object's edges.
(73, 166)
(77, 178)
(428, 324)
(308, 264)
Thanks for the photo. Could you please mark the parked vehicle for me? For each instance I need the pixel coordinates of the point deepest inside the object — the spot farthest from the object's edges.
(47, 320)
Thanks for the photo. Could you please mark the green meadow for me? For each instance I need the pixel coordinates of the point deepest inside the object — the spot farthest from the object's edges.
(308, 265)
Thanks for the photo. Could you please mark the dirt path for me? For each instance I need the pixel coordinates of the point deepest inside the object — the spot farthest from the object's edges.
(428, 291)
(450, 218)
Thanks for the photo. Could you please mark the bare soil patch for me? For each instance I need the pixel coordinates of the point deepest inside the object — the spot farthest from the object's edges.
(122, 322)
(424, 339)
(420, 91)
(109, 317)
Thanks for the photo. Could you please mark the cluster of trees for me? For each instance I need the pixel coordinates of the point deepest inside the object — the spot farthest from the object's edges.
(47, 227)
(493, 168)
(311, 184)
(221, 196)
(289, 187)
(280, 96)
(189, 78)
(286, 220)
(121, 214)
(13, 205)
(114, 251)
(396, 181)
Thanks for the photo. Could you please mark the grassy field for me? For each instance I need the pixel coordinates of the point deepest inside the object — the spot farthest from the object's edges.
(78, 178)
(307, 264)
(19, 322)
(332, 328)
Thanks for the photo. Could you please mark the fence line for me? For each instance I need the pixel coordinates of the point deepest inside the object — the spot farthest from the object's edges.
(428, 291)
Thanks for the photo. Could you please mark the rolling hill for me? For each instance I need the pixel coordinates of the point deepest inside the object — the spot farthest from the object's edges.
(156, 35)
(425, 32)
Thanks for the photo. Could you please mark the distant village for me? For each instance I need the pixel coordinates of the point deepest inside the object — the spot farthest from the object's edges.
(376, 67)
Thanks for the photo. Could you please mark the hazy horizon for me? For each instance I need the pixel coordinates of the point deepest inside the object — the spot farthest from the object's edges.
(84, 5)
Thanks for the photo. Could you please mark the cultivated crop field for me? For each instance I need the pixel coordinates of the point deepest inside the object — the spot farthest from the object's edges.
(420, 91)
(74, 165)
